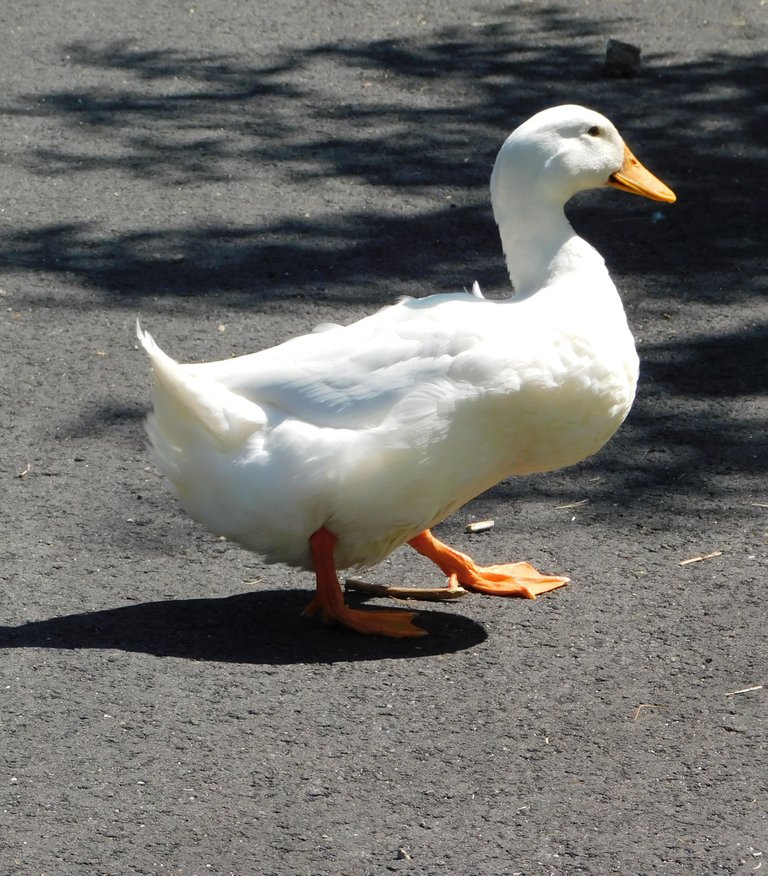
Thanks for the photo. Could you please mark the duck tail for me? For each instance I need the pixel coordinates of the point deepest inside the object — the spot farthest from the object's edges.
(187, 406)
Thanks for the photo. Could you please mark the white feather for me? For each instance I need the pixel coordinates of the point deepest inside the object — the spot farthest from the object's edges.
(380, 429)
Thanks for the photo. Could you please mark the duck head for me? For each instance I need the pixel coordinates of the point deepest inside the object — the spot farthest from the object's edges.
(542, 164)
(562, 151)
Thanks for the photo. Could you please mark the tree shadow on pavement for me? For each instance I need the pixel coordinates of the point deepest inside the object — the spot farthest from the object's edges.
(422, 121)
(415, 138)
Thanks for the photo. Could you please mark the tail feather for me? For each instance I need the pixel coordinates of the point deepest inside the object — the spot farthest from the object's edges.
(182, 400)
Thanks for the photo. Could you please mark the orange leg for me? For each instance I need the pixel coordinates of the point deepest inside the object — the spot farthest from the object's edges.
(329, 601)
(511, 579)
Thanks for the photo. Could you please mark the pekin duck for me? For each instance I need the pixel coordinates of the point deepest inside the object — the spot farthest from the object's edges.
(329, 451)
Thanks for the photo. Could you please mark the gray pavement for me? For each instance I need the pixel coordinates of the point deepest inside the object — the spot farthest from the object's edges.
(236, 173)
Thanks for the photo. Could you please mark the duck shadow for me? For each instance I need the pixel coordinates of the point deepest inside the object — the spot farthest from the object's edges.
(255, 628)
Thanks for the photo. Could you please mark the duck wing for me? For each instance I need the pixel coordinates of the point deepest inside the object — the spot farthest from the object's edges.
(354, 377)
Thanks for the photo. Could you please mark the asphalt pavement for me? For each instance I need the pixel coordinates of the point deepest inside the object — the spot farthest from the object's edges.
(235, 173)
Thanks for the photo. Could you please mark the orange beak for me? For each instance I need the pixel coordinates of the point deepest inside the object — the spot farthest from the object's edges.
(633, 177)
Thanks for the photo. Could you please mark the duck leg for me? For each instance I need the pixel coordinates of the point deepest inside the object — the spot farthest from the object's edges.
(510, 579)
(329, 600)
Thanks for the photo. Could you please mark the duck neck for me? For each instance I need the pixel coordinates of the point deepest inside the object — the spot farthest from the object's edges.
(541, 247)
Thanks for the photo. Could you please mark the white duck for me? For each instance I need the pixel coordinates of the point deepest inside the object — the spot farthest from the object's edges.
(331, 450)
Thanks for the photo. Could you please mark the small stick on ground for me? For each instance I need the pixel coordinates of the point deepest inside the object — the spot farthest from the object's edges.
(434, 594)
(699, 559)
(479, 526)
(733, 693)
(642, 706)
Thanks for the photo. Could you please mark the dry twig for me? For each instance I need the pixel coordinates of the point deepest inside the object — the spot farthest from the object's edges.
(699, 559)
(479, 526)
(642, 706)
(571, 505)
(434, 594)
(733, 693)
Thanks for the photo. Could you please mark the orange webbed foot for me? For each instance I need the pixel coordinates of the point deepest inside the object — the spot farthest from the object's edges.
(509, 579)
(374, 622)
(329, 601)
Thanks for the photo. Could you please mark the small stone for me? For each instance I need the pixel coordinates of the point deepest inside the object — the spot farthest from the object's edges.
(621, 59)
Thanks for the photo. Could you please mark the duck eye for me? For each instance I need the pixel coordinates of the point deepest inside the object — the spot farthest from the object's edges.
(594, 131)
